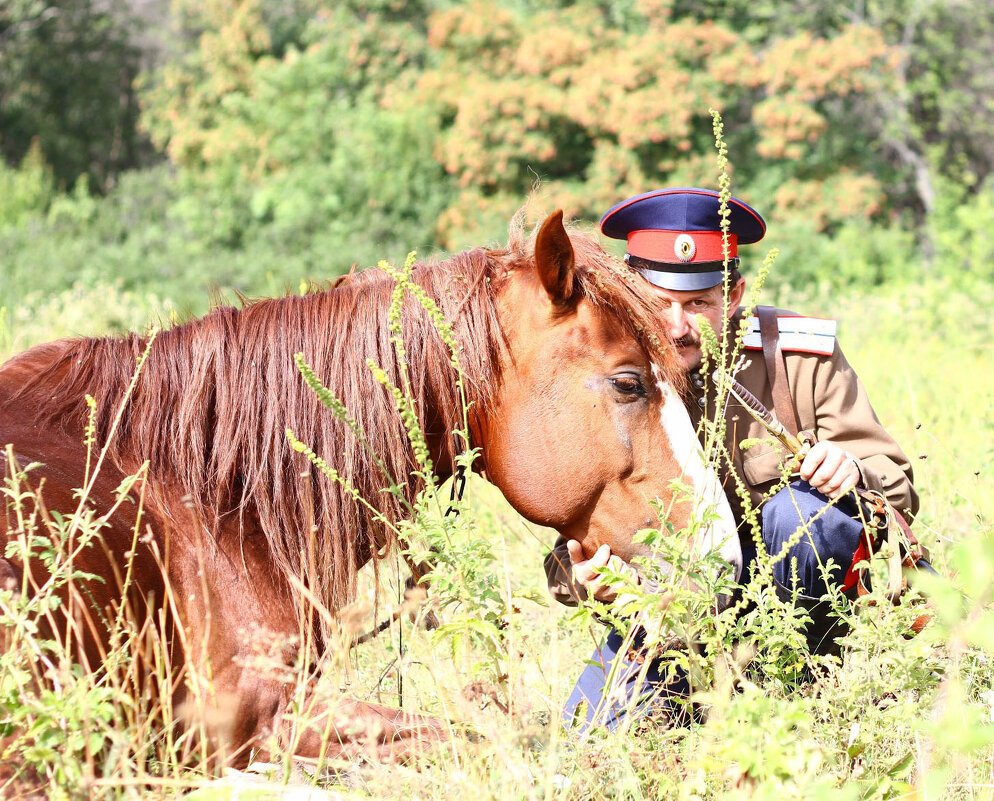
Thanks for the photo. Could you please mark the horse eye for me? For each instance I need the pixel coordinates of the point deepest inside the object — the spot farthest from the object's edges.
(628, 385)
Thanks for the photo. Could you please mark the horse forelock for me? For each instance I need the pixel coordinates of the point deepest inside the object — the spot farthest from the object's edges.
(215, 397)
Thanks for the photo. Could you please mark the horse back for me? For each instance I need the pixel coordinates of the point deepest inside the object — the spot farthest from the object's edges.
(28, 380)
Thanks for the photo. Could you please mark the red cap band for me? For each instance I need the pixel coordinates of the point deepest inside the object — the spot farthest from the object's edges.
(681, 247)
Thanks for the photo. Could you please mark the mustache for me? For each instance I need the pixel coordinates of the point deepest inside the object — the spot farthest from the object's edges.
(687, 340)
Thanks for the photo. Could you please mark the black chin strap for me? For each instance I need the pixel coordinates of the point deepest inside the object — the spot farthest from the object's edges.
(640, 263)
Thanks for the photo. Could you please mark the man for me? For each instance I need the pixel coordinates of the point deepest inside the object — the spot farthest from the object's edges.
(675, 242)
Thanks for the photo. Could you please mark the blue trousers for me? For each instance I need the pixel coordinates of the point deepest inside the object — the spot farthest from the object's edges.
(833, 534)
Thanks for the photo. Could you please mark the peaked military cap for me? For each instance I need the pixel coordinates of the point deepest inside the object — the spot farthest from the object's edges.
(674, 235)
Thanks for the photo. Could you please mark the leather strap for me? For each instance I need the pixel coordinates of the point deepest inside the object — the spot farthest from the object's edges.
(668, 267)
(776, 368)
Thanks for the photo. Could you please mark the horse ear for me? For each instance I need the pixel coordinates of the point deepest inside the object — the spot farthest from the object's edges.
(554, 259)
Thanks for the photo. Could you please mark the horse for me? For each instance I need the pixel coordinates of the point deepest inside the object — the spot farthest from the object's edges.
(574, 404)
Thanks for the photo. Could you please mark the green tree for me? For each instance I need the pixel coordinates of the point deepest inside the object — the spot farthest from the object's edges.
(26, 190)
(66, 76)
(302, 147)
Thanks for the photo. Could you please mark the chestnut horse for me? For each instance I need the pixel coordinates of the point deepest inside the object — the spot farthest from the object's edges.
(568, 373)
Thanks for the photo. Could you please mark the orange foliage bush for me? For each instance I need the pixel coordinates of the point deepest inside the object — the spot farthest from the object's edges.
(831, 200)
(598, 112)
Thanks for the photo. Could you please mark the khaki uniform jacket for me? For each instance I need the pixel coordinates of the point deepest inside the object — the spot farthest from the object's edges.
(830, 401)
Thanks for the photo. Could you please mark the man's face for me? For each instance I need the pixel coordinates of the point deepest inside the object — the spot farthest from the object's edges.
(681, 311)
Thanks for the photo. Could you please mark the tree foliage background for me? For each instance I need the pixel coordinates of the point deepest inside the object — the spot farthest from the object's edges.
(251, 144)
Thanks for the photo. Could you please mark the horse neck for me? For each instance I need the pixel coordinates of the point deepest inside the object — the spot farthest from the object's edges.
(215, 396)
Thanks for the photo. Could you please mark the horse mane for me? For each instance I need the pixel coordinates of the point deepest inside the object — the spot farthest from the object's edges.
(213, 401)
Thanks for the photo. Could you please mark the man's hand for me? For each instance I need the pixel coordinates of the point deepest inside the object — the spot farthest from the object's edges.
(596, 585)
(830, 469)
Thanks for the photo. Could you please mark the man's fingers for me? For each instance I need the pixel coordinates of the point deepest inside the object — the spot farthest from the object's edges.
(601, 556)
(575, 551)
(812, 461)
(825, 478)
(843, 480)
(585, 570)
(830, 469)
(599, 559)
(849, 483)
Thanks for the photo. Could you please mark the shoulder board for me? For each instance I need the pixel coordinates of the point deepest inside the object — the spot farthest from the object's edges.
(797, 334)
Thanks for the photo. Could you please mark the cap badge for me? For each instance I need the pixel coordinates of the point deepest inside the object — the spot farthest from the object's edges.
(684, 247)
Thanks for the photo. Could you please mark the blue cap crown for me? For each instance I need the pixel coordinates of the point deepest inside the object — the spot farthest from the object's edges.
(674, 235)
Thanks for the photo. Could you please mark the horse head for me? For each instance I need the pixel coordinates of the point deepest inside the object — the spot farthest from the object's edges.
(588, 428)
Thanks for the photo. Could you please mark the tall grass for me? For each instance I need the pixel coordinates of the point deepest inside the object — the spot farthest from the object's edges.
(897, 716)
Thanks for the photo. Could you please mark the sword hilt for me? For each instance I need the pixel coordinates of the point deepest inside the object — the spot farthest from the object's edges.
(755, 407)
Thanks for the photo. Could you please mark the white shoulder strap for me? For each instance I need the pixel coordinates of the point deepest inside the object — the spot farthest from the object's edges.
(797, 334)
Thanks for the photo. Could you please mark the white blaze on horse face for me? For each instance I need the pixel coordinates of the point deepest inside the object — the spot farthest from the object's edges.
(710, 504)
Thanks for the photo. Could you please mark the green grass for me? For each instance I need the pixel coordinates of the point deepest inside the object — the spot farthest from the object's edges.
(926, 355)
(896, 717)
